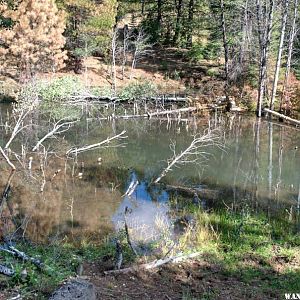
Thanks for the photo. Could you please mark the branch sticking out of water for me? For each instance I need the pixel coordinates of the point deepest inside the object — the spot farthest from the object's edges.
(127, 233)
(98, 145)
(132, 186)
(193, 153)
(54, 131)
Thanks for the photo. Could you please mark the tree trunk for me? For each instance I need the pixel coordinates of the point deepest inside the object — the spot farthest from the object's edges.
(226, 52)
(265, 39)
(143, 7)
(278, 62)
(178, 22)
(159, 12)
(284, 97)
(113, 64)
(190, 26)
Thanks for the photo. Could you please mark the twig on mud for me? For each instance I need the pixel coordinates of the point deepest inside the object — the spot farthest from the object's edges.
(154, 264)
(94, 146)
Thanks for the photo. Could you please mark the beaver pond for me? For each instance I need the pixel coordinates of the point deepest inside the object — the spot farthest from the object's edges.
(257, 166)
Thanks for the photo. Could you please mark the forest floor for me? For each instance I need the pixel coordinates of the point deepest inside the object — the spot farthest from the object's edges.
(169, 69)
(197, 279)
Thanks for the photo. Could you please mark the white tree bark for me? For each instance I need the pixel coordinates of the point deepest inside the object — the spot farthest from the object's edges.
(292, 36)
(280, 49)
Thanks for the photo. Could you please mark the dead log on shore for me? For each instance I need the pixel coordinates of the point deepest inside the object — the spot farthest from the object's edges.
(21, 255)
(6, 271)
(191, 192)
(293, 121)
(154, 264)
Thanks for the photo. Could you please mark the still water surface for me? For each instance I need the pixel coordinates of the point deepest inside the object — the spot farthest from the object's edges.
(259, 167)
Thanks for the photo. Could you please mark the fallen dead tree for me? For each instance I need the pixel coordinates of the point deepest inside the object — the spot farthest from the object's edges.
(155, 263)
(21, 255)
(6, 191)
(286, 118)
(98, 145)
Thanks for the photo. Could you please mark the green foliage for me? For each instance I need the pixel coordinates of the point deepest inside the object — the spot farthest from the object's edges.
(138, 90)
(209, 51)
(53, 94)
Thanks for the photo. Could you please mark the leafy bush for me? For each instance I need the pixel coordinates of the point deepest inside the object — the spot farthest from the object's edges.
(59, 89)
(138, 90)
(51, 95)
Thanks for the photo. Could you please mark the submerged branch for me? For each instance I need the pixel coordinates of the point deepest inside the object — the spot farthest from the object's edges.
(55, 129)
(193, 153)
(94, 146)
(17, 127)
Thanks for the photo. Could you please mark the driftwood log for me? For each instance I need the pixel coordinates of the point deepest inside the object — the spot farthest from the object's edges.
(174, 111)
(286, 118)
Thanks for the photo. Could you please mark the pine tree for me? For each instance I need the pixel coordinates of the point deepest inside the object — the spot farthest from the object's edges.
(35, 40)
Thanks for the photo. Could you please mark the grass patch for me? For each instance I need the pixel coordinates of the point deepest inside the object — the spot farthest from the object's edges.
(61, 260)
(246, 245)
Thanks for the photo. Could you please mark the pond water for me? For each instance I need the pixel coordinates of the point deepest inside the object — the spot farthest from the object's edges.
(83, 198)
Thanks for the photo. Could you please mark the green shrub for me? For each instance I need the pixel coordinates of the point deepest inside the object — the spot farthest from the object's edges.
(51, 96)
(213, 72)
(138, 90)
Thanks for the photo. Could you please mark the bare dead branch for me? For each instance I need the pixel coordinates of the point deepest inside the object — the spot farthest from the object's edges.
(54, 131)
(98, 145)
(193, 153)
(155, 263)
